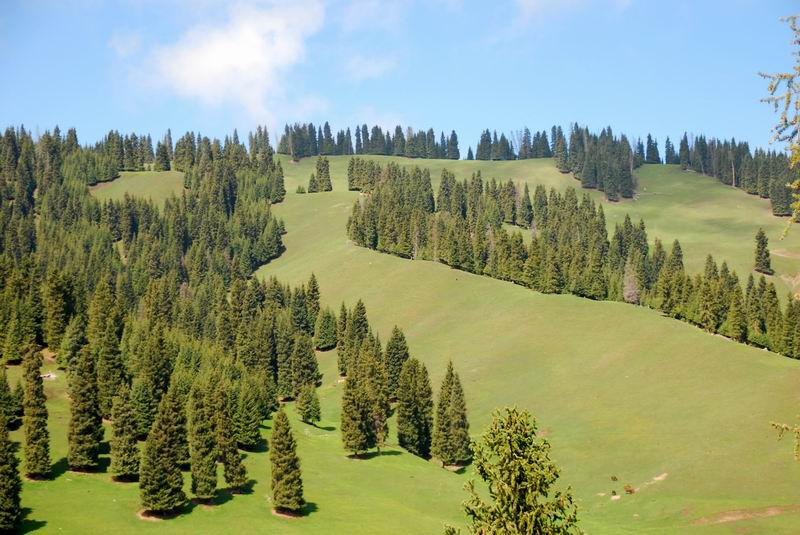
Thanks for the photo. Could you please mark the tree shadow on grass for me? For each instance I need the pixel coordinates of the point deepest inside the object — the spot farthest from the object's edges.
(309, 508)
(59, 468)
(373, 454)
(29, 525)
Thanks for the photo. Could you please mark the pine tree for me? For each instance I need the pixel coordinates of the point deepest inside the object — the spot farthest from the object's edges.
(85, 425)
(763, 264)
(396, 355)
(308, 404)
(287, 483)
(10, 482)
(202, 446)
(37, 438)
(415, 409)
(124, 450)
(160, 477)
(515, 465)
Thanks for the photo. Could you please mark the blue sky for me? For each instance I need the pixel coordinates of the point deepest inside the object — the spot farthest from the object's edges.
(638, 65)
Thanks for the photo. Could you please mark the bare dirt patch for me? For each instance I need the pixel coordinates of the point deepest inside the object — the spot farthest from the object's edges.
(785, 253)
(286, 514)
(49, 376)
(745, 514)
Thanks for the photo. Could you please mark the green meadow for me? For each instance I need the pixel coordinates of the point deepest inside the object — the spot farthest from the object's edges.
(625, 396)
(156, 185)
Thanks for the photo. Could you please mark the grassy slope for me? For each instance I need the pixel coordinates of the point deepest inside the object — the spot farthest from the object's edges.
(158, 185)
(610, 400)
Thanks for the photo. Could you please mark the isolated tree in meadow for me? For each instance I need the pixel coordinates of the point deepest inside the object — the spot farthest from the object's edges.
(37, 438)
(515, 464)
(451, 428)
(234, 470)
(394, 358)
(10, 482)
(325, 330)
(308, 404)
(442, 422)
(312, 184)
(415, 409)
(125, 428)
(85, 425)
(160, 477)
(762, 260)
(202, 445)
(287, 482)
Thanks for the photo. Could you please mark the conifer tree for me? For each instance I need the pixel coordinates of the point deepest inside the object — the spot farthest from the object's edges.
(144, 402)
(10, 482)
(357, 431)
(305, 367)
(287, 483)
(312, 184)
(7, 404)
(515, 465)
(457, 449)
(247, 419)
(202, 445)
(325, 330)
(396, 355)
(124, 450)
(415, 409)
(308, 404)
(762, 263)
(234, 470)
(37, 438)
(160, 477)
(74, 338)
(110, 368)
(85, 425)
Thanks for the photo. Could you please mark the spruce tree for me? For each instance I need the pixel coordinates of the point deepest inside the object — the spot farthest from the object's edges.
(415, 409)
(287, 483)
(357, 431)
(7, 404)
(124, 449)
(160, 477)
(396, 355)
(202, 445)
(37, 438)
(10, 482)
(515, 465)
(325, 331)
(234, 470)
(85, 425)
(74, 338)
(762, 262)
(457, 449)
(308, 404)
(305, 368)
(442, 423)
(247, 420)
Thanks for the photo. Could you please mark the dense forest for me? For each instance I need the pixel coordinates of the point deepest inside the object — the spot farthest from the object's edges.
(569, 251)
(161, 329)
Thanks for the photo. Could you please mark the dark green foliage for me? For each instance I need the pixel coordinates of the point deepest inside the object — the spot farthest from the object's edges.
(515, 465)
(323, 175)
(10, 482)
(762, 262)
(202, 445)
(124, 450)
(160, 477)
(325, 332)
(305, 368)
(247, 419)
(85, 424)
(234, 470)
(287, 483)
(144, 404)
(365, 404)
(8, 408)
(308, 404)
(110, 368)
(396, 355)
(451, 431)
(37, 438)
(415, 409)
(312, 184)
(161, 162)
(71, 343)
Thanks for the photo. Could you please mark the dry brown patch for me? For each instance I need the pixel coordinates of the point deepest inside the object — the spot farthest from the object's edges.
(147, 516)
(745, 514)
(784, 253)
(286, 514)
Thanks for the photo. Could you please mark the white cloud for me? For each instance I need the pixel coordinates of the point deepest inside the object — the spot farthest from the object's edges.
(125, 43)
(361, 68)
(244, 60)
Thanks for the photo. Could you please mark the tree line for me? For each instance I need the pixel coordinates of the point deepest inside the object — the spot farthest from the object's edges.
(570, 251)
(302, 140)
